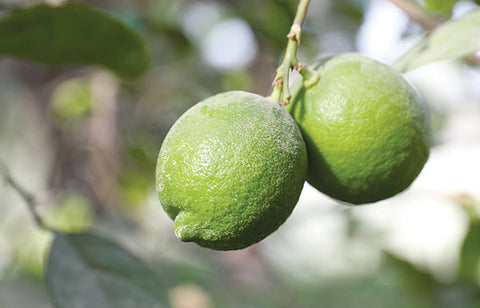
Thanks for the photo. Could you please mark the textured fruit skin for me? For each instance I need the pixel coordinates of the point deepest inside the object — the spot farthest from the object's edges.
(231, 170)
(367, 131)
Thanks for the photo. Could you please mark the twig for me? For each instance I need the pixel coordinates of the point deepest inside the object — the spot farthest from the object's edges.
(418, 15)
(281, 91)
(25, 195)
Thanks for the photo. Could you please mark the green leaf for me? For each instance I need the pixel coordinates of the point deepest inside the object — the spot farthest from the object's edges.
(73, 33)
(470, 253)
(452, 40)
(418, 280)
(440, 5)
(87, 271)
(72, 99)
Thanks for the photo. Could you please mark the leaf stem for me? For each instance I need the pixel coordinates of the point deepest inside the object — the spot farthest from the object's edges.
(27, 197)
(281, 91)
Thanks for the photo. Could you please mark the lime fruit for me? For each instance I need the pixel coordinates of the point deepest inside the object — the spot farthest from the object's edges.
(367, 131)
(231, 170)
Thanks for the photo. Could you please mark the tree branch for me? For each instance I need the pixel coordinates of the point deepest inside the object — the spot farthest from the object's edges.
(25, 195)
(281, 91)
(418, 15)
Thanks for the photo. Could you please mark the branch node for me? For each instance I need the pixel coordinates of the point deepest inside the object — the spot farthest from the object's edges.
(281, 93)
(277, 81)
(295, 33)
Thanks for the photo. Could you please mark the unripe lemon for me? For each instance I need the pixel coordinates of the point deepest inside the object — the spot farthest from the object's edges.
(367, 131)
(231, 170)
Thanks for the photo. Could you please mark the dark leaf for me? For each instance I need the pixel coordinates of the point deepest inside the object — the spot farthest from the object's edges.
(416, 279)
(87, 271)
(73, 33)
(470, 253)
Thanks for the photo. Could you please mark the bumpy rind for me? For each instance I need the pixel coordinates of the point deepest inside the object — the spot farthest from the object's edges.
(367, 130)
(231, 170)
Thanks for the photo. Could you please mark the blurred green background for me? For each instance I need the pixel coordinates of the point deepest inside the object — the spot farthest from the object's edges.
(84, 143)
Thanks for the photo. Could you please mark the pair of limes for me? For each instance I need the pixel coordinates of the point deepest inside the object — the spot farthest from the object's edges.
(231, 169)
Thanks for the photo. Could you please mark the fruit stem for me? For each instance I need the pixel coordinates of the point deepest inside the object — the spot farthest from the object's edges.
(310, 77)
(281, 90)
(25, 195)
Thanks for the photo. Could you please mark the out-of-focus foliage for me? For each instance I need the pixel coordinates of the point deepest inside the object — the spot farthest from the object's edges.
(85, 144)
(87, 271)
(452, 40)
(73, 34)
(444, 6)
(72, 99)
(73, 214)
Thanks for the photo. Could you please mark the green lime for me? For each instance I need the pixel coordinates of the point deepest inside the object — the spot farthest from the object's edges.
(230, 170)
(367, 131)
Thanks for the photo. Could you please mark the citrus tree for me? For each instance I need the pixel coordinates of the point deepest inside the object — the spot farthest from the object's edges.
(231, 169)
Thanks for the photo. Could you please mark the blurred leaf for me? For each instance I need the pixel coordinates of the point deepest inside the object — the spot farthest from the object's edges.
(131, 18)
(30, 245)
(237, 80)
(271, 19)
(470, 253)
(74, 214)
(442, 6)
(73, 34)
(379, 291)
(142, 148)
(87, 271)
(72, 99)
(163, 16)
(452, 40)
(351, 9)
(419, 281)
(165, 13)
(457, 294)
(20, 290)
(136, 187)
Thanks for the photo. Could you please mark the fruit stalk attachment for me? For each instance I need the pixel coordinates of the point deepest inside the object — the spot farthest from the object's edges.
(25, 195)
(281, 91)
